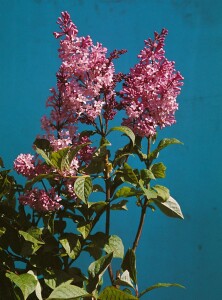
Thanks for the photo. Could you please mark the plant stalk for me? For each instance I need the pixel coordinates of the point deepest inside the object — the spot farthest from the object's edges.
(144, 207)
(107, 184)
(140, 228)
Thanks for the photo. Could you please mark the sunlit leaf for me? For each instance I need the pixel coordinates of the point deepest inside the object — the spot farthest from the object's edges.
(160, 285)
(84, 228)
(25, 282)
(170, 208)
(127, 174)
(125, 130)
(57, 157)
(83, 188)
(112, 293)
(162, 192)
(30, 238)
(38, 289)
(115, 245)
(158, 170)
(163, 144)
(146, 175)
(124, 280)
(125, 192)
(67, 291)
(150, 193)
(72, 152)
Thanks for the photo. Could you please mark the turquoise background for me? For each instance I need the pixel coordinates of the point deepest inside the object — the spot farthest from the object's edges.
(188, 252)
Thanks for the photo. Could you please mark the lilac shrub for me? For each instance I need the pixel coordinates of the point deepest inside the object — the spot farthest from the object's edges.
(71, 165)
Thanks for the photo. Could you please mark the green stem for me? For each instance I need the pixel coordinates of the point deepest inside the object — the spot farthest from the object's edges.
(44, 186)
(101, 124)
(144, 205)
(148, 152)
(107, 184)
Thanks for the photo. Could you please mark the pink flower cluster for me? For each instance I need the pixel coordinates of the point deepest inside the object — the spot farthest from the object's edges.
(150, 91)
(41, 200)
(86, 89)
(84, 80)
(24, 164)
(29, 166)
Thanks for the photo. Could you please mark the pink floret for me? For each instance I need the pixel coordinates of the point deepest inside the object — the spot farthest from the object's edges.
(24, 164)
(151, 89)
(40, 200)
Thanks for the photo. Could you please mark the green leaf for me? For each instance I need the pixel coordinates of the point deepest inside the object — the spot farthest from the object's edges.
(83, 188)
(97, 163)
(28, 237)
(7, 290)
(125, 192)
(125, 130)
(67, 291)
(99, 239)
(71, 244)
(163, 144)
(42, 144)
(120, 158)
(127, 174)
(26, 283)
(48, 220)
(170, 208)
(97, 206)
(129, 263)
(43, 148)
(29, 248)
(2, 231)
(96, 271)
(57, 157)
(146, 175)
(159, 285)
(95, 248)
(121, 205)
(115, 245)
(104, 142)
(98, 188)
(68, 158)
(112, 293)
(162, 192)
(87, 133)
(149, 193)
(55, 277)
(124, 280)
(38, 289)
(7, 185)
(38, 178)
(94, 251)
(84, 228)
(158, 170)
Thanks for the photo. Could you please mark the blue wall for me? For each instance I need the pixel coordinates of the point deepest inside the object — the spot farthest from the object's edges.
(189, 251)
